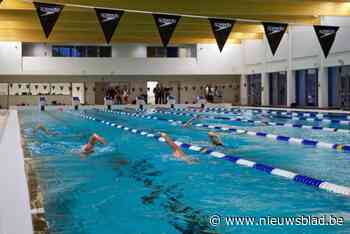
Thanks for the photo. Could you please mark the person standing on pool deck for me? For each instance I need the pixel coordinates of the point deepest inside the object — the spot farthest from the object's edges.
(89, 147)
(178, 153)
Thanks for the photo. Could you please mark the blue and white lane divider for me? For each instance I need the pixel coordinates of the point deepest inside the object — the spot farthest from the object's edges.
(260, 122)
(240, 110)
(327, 121)
(281, 138)
(321, 184)
(312, 117)
(208, 111)
(286, 112)
(276, 115)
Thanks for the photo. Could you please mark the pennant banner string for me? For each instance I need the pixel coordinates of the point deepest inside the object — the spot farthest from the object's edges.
(167, 13)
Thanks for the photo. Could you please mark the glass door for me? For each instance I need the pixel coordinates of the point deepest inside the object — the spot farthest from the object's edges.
(254, 90)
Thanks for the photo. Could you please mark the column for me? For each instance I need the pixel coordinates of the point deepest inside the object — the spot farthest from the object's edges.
(265, 89)
(323, 87)
(291, 75)
(290, 87)
(244, 90)
(90, 93)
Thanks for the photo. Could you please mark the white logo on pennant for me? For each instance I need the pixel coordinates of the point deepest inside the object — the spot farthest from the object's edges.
(326, 32)
(164, 22)
(221, 26)
(109, 17)
(49, 10)
(274, 29)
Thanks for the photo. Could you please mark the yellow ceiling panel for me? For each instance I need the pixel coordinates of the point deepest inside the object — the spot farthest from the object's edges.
(19, 20)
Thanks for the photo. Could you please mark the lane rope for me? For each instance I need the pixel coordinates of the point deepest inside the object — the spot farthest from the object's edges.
(259, 122)
(286, 112)
(309, 181)
(294, 116)
(281, 138)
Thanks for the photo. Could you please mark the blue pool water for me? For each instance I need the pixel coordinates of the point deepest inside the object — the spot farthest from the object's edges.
(134, 185)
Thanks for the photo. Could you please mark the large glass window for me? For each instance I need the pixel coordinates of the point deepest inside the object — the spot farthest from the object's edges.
(254, 89)
(339, 87)
(278, 88)
(307, 87)
(105, 51)
(81, 51)
(92, 51)
(171, 52)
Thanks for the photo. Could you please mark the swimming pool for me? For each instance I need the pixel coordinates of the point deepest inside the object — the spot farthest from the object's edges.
(134, 184)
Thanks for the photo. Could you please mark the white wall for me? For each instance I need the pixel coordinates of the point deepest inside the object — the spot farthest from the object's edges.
(302, 52)
(10, 57)
(299, 49)
(109, 66)
(211, 61)
(127, 57)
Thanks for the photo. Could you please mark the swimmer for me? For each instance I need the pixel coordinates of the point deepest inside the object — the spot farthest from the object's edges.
(263, 123)
(42, 128)
(215, 139)
(89, 147)
(178, 153)
(340, 147)
(189, 122)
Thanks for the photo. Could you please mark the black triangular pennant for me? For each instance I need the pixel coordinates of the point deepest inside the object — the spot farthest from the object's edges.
(166, 25)
(109, 20)
(222, 29)
(274, 33)
(48, 15)
(326, 36)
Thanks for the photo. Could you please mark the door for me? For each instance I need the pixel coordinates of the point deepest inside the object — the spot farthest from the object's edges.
(345, 91)
(278, 88)
(100, 92)
(307, 87)
(254, 90)
(312, 88)
(78, 90)
(175, 90)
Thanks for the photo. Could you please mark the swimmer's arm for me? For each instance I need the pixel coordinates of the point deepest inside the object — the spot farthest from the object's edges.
(190, 121)
(103, 141)
(189, 160)
(172, 144)
(185, 125)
